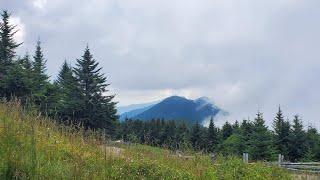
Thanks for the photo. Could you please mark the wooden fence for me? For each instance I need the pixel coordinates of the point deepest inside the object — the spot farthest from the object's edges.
(303, 167)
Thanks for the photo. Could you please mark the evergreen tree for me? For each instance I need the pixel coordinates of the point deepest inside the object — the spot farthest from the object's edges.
(7, 54)
(226, 131)
(195, 137)
(281, 133)
(39, 70)
(183, 136)
(261, 140)
(41, 87)
(68, 103)
(7, 42)
(98, 110)
(246, 130)
(313, 145)
(297, 140)
(212, 137)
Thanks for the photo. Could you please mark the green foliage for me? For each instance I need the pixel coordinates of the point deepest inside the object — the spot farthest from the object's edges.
(232, 145)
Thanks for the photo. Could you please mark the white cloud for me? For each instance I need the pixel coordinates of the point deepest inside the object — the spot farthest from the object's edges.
(40, 4)
(19, 36)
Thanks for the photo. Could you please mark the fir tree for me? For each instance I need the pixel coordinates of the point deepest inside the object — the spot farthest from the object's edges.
(7, 54)
(260, 141)
(7, 42)
(40, 82)
(226, 130)
(98, 110)
(212, 137)
(281, 133)
(183, 136)
(39, 69)
(297, 140)
(195, 137)
(69, 94)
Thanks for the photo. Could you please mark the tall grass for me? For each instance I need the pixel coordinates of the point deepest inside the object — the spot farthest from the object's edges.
(34, 147)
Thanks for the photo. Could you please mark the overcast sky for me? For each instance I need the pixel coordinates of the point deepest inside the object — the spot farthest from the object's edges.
(246, 55)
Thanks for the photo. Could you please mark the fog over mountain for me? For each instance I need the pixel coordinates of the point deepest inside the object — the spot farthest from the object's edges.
(177, 108)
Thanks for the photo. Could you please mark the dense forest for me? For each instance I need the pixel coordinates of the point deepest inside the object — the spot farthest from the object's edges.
(78, 96)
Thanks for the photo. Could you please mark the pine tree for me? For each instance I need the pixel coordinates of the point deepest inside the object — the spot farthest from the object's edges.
(281, 133)
(297, 140)
(98, 110)
(212, 137)
(261, 140)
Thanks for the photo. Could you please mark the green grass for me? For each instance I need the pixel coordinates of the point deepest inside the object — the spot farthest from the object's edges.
(33, 147)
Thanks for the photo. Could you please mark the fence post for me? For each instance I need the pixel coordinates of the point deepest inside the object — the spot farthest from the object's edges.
(245, 157)
(280, 158)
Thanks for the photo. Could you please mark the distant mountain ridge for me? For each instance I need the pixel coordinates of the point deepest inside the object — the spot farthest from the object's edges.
(175, 108)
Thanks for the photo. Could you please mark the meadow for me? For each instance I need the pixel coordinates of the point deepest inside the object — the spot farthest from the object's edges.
(35, 147)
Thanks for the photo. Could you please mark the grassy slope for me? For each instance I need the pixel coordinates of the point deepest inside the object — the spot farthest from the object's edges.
(32, 147)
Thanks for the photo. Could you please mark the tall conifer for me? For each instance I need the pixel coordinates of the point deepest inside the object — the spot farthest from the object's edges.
(98, 109)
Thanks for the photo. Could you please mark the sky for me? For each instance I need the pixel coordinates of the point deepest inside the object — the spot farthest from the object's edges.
(245, 55)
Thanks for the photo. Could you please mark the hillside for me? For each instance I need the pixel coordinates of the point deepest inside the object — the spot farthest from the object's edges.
(36, 148)
(33, 147)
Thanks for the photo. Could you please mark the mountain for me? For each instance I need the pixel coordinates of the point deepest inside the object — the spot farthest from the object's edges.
(125, 109)
(134, 112)
(176, 108)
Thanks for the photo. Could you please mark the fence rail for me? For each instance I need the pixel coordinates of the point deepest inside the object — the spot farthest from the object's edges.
(303, 167)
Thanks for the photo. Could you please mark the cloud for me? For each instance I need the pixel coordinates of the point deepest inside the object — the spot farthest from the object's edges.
(40, 4)
(246, 55)
(20, 34)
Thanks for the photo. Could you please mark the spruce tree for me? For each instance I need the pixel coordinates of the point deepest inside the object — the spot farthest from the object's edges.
(246, 130)
(69, 94)
(261, 140)
(281, 133)
(39, 69)
(7, 43)
(226, 130)
(183, 136)
(98, 110)
(297, 140)
(7, 54)
(40, 82)
(196, 135)
(212, 137)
